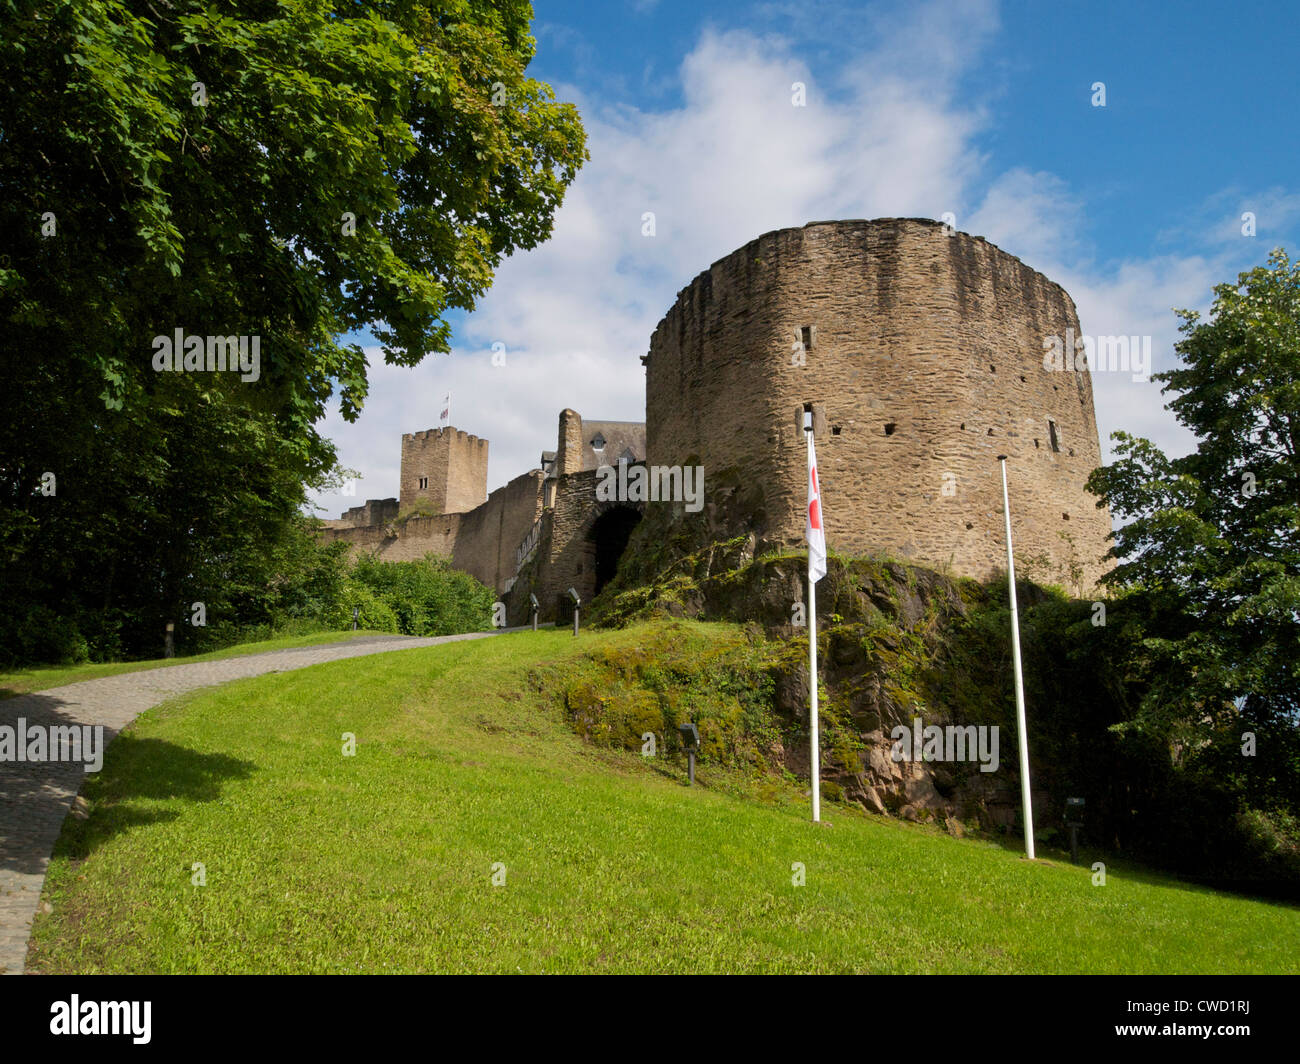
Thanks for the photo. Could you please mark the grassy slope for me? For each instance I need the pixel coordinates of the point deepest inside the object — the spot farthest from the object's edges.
(382, 861)
(43, 677)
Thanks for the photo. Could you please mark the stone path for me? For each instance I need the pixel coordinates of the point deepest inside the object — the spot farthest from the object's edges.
(36, 796)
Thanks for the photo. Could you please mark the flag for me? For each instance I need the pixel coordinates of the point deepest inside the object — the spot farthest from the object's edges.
(816, 531)
(445, 417)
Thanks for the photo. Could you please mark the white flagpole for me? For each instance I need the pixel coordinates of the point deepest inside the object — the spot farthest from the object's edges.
(815, 753)
(1021, 732)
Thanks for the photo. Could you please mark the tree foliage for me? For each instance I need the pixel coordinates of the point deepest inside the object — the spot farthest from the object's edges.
(1211, 540)
(286, 170)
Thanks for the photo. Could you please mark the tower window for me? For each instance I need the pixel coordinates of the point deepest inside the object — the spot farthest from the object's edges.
(807, 417)
(1053, 437)
(598, 442)
(424, 483)
(889, 428)
(806, 337)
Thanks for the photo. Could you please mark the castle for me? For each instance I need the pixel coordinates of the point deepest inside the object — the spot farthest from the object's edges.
(914, 353)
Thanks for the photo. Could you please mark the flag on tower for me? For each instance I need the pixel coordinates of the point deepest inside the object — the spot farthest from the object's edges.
(816, 532)
(445, 417)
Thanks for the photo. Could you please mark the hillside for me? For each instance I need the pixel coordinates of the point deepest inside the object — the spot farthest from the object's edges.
(468, 768)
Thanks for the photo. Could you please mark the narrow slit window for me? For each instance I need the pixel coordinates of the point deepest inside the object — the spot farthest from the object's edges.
(807, 417)
(1053, 436)
(806, 337)
(424, 483)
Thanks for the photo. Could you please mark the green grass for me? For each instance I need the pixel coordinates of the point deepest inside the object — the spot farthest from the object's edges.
(316, 862)
(43, 677)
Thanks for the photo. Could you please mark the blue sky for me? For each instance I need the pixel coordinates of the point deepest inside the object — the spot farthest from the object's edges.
(913, 109)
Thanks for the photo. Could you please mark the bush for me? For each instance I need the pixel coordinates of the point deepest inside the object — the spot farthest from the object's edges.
(428, 597)
(42, 635)
(376, 614)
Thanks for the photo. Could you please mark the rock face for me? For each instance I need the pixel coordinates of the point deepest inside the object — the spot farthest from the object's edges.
(882, 626)
(918, 354)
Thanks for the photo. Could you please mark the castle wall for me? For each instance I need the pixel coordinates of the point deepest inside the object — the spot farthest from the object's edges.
(407, 542)
(926, 362)
(572, 558)
(482, 542)
(372, 512)
(488, 536)
(455, 464)
(566, 554)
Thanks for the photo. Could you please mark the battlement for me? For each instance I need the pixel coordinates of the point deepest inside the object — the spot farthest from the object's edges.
(460, 434)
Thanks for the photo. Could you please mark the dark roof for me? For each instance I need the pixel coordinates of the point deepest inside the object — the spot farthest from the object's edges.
(619, 436)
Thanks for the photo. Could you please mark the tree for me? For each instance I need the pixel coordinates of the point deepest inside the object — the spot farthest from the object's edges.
(279, 173)
(1212, 540)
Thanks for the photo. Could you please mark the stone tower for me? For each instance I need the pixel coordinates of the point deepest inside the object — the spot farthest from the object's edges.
(917, 355)
(445, 468)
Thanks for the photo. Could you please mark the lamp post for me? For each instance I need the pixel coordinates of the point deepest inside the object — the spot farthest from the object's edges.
(577, 607)
(356, 612)
(536, 606)
(691, 741)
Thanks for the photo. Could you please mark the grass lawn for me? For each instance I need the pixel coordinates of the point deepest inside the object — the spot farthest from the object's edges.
(383, 861)
(43, 677)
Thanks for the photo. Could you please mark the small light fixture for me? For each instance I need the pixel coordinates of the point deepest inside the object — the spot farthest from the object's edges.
(577, 608)
(1074, 821)
(536, 606)
(691, 741)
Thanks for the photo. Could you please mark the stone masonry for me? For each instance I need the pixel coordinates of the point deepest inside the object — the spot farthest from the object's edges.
(445, 468)
(918, 355)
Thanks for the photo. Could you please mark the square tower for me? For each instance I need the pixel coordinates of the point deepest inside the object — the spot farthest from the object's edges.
(445, 468)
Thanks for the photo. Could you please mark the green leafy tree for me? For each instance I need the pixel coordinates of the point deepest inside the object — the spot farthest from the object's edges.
(289, 171)
(1212, 539)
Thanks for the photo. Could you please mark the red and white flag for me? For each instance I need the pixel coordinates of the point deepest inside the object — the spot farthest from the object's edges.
(445, 416)
(816, 530)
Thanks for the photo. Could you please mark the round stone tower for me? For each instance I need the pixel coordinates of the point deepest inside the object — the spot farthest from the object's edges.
(917, 355)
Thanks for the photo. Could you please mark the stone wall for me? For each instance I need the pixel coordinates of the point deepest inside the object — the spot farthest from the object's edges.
(372, 512)
(482, 542)
(487, 537)
(920, 358)
(402, 542)
(453, 462)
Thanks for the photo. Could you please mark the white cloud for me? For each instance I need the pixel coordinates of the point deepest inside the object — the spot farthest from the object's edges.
(884, 134)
